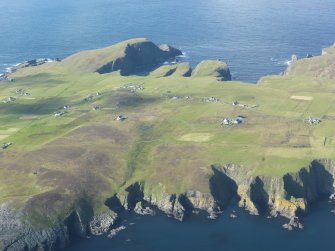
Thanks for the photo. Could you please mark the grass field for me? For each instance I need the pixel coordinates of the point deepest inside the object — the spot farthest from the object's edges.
(169, 140)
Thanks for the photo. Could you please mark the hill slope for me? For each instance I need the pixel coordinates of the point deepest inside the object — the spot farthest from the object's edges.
(87, 145)
(128, 57)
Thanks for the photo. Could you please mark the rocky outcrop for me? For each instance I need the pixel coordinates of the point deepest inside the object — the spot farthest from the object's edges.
(143, 209)
(292, 224)
(169, 51)
(138, 57)
(289, 196)
(128, 57)
(154, 195)
(212, 68)
(102, 224)
(31, 63)
(18, 234)
(318, 67)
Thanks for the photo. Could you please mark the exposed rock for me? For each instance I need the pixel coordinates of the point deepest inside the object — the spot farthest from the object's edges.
(143, 210)
(101, 224)
(31, 63)
(128, 57)
(169, 204)
(293, 224)
(115, 231)
(317, 66)
(170, 51)
(233, 215)
(201, 201)
(288, 196)
(17, 234)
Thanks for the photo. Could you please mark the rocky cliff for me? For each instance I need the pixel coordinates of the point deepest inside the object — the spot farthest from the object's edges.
(128, 57)
(18, 233)
(318, 67)
(288, 196)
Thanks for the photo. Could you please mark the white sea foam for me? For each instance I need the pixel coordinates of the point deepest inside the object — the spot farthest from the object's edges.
(183, 55)
(280, 61)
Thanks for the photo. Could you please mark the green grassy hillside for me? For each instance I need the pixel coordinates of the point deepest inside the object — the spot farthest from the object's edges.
(172, 135)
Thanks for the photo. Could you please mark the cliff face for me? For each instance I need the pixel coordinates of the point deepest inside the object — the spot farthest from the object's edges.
(17, 234)
(128, 57)
(289, 196)
(139, 56)
(319, 67)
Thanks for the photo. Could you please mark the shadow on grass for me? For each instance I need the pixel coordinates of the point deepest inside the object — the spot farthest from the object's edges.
(41, 78)
(41, 107)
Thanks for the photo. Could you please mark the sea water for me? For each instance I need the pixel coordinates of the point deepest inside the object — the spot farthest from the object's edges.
(256, 37)
(198, 233)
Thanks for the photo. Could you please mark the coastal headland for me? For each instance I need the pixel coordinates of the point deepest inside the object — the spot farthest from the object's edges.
(129, 127)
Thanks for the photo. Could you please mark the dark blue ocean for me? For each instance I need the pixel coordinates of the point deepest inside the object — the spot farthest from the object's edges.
(256, 38)
(252, 233)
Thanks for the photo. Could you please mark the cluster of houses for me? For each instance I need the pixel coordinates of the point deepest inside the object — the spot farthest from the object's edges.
(8, 100)
(133, 87)
(6, 145)
(212, 100)
(87, 98)
(233, 121)
(179, 97)
(313, 121)
(22, 92)
(59, 113)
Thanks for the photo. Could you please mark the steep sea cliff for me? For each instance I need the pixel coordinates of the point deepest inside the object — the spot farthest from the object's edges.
(289, 196)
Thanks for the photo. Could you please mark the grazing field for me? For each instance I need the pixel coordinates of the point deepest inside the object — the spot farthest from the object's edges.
(171, 134)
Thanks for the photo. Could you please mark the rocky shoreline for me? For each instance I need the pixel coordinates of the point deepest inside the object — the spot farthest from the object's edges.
(5, 76)
(289, 196)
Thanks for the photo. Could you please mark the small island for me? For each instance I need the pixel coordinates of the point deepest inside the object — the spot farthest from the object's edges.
(128, 127)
